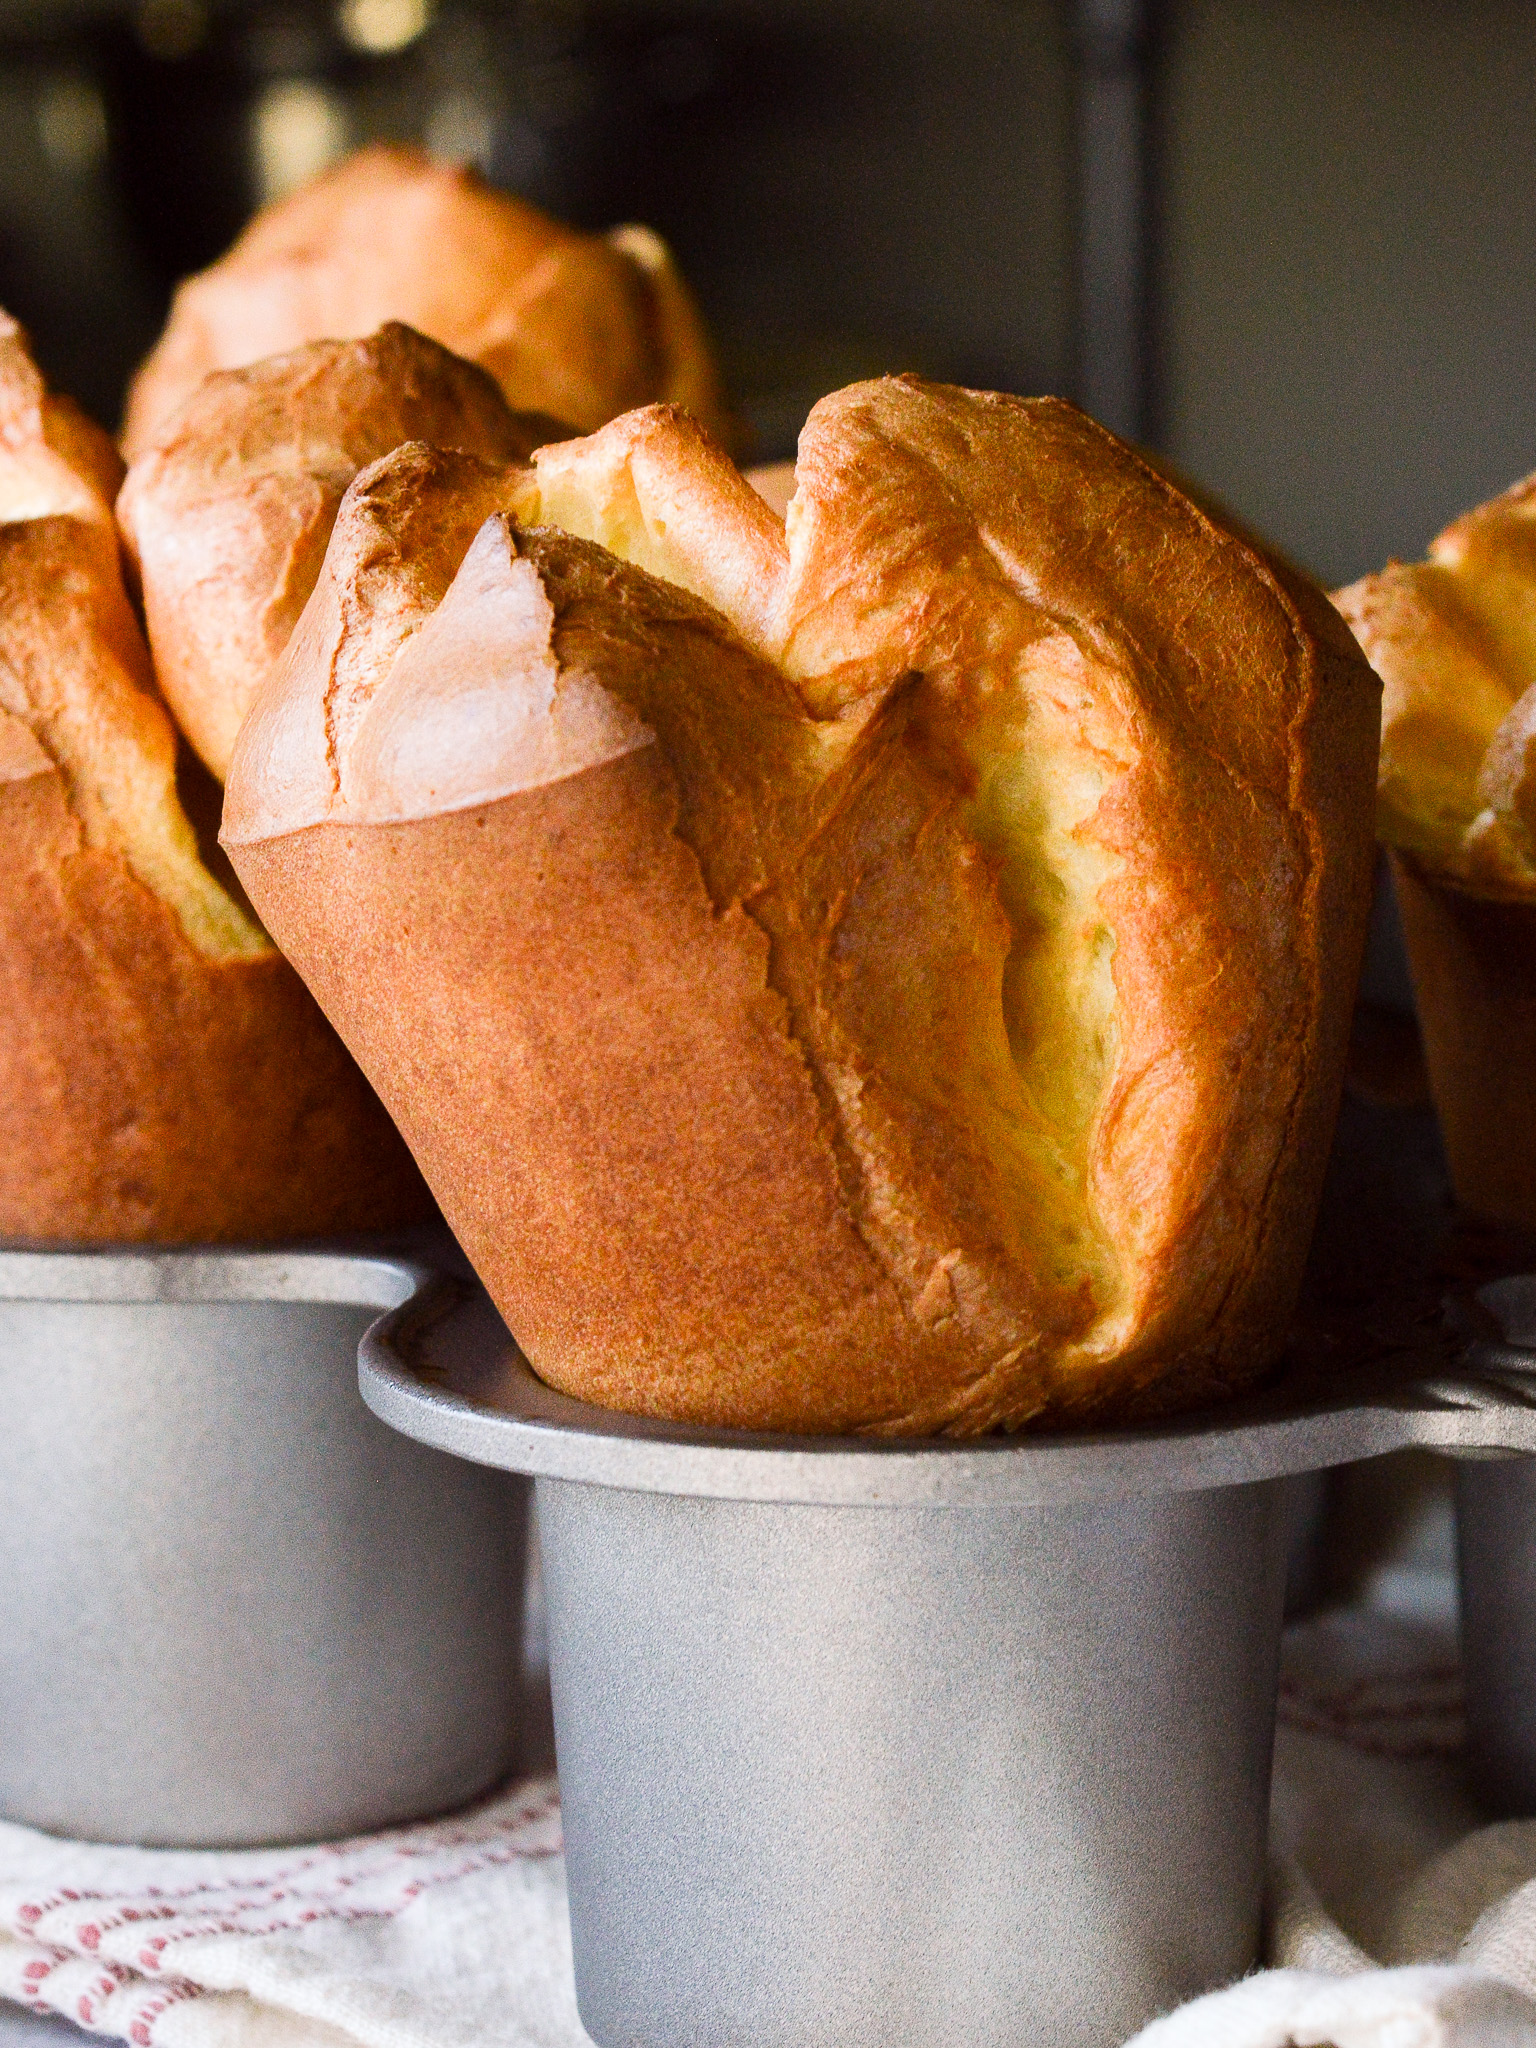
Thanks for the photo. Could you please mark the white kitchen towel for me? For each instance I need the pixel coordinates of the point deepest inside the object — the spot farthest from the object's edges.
(1397, 1918)
(455, 1933)
(439, 1936)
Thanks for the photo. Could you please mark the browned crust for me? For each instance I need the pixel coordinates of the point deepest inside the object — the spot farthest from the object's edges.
(700, 1045)
(164, 1075)
(615, 1264)
(580, 327)
(1248, 720)
(1454, 642)
(47, 434)
(150, 1094)
(1474, 978)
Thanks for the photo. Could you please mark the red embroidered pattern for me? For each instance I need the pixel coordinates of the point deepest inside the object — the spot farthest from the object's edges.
(56, 1962)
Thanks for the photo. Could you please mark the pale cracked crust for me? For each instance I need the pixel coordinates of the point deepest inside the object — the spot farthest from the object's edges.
(580, 327)
(727, 1003)
(227, 510)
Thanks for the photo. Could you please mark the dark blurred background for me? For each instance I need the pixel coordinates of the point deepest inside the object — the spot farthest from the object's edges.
(1292, 242)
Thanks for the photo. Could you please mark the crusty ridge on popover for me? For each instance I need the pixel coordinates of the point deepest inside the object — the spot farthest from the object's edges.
(884, 969)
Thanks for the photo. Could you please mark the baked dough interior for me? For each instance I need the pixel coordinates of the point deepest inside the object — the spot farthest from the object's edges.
(1015, 707)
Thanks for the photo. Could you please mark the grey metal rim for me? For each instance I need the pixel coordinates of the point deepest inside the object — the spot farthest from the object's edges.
(180, 1421)
(445, 1372)
(213, 1274)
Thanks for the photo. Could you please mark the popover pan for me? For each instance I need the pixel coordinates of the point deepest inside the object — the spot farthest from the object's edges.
(236, 1608)
(908, 1743)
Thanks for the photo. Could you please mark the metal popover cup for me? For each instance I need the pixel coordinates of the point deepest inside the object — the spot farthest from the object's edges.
(904, 1743)
(1496, 1562)
(236, 1608)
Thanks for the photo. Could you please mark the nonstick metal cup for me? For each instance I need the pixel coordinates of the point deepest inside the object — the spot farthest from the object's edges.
(905, 1743)
(1496, 1559)
(908, 1774)
(236, 1607)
